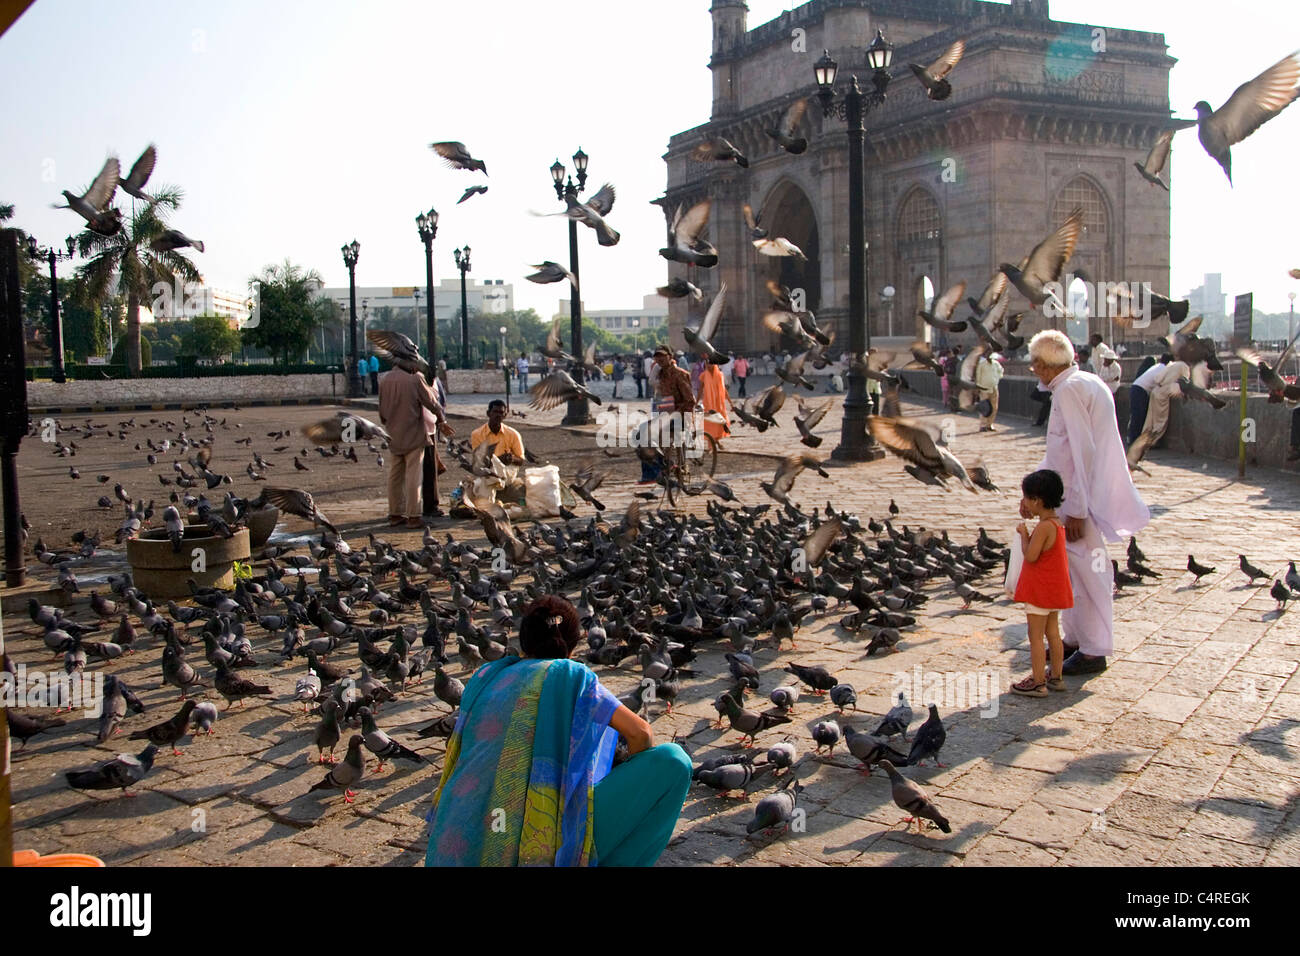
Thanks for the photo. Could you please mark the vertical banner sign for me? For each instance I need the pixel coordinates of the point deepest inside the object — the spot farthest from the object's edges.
(1241, 321)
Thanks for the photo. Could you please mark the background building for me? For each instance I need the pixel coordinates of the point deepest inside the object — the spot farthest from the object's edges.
(1044, 116)
(653, 314)
(491, 296)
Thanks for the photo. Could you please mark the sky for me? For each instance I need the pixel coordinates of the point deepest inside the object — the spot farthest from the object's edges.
(295, 127)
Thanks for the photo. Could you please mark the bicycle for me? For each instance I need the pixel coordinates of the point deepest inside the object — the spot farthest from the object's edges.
(691, 456)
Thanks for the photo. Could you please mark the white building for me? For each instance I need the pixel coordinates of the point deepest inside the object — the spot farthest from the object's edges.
(195, 299)
(1208, 299)
(491, 296)
(652, 314)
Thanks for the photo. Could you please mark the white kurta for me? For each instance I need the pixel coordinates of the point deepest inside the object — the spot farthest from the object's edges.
(1163, 388)
(1084, 448)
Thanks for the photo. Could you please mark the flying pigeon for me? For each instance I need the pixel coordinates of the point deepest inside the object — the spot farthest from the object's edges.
(549, 271)
(458, 157)
(934, 76)
(678, 288)
(93, 204)
(685, 232)
(718, 150)
(1251, 106)
(471, 191)
(1045, 262)
(293, 501)
(174, 239)
(917, 443)
(556, 389)
(786, 133)
(698, 339)
(133, 184)
(398, 349)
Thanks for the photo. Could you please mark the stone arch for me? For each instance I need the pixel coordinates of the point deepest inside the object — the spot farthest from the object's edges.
(787, 211)
(1093, 257)
(919, 254)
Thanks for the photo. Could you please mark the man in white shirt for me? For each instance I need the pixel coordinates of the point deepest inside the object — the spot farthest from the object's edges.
(1108, 367)
(988, 373)
(521, 370)
(1101, 504)
(1139, 396)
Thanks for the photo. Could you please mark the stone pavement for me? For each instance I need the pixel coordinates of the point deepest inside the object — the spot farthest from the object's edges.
(1185, 751)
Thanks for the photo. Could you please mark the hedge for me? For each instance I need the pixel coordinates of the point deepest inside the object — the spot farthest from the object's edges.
(99, 372)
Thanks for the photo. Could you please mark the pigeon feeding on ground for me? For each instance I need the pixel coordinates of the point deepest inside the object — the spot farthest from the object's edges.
(871, 750)
(929, 740)
(1199, 570)
(121, 772)
(167, 733)
(910, 797)
(343, 775)
(776, 809)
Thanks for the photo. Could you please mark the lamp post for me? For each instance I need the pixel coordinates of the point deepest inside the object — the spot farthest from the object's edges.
(1290, 331)
(350, 254)
(57, 372)
(415, 323)
(856, 443)
(427, 223)
(887, 296)
(579, 412)
(462, 263)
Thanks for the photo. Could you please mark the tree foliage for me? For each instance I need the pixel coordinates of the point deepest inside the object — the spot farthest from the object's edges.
(210, 337)
(289, 310)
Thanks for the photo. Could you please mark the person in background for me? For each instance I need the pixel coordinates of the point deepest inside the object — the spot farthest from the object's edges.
(1100, 503)
(949, 364)
(1109, 370)
(713, 396)
(741, 371)
(363, 372)
(873, 395)
(673, 397)
(697, 370)
(682, 362)
(1139, 394)
(403, 399)
(638, 374)
(617, 373)
(988, 373)
(509, 443)
(373, 366)
(533, 749)
(521, 370)
(431, 508)
(1293, 454)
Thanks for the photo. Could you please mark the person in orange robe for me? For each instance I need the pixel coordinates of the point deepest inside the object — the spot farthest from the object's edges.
(713, 396)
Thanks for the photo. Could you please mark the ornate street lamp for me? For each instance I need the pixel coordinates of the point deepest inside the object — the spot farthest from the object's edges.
(57, 371)
(350, 255)
(578, 412)
(856, 443)
(462, 263)
(427, 223)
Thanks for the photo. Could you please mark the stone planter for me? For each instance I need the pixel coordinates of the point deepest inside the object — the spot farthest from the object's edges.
(161, 573)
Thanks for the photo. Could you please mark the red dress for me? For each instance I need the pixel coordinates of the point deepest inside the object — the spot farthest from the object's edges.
(1045, 583)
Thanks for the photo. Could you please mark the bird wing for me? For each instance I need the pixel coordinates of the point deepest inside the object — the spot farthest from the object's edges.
(100, 193)
(814, 415)
(995, 289)
(951, 57)
(143, 168)
(786, 473)
(1051, 255)
(1256, 102)
(710, 323)
(551, 391)
(922, 303)
(553, 343)
(908, 439)
(1159, 154)
(603, 201)
(750, 221)
(967, 372)
(451, 151)
(944, 304)
(793, 117)
(291, 501)
(692, 223)
(815, 545)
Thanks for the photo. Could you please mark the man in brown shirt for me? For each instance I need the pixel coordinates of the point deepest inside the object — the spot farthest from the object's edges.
(403, 399)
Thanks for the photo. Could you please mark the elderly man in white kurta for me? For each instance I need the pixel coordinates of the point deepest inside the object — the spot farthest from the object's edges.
(1101, 504)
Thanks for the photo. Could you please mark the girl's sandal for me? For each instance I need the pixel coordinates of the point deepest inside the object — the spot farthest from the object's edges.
(1029, 688)
(1056, 683)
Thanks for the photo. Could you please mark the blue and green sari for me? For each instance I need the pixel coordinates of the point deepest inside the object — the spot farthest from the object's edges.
(531, 743)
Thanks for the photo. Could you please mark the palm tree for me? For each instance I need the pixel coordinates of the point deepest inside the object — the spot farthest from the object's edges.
(128, 262)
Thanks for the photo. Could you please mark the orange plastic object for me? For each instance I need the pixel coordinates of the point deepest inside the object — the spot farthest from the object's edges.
(32, 858)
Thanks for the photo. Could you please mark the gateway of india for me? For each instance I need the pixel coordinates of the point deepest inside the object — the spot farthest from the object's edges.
(1044, 116)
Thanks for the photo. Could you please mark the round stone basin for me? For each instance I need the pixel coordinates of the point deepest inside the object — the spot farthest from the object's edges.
(162, 573)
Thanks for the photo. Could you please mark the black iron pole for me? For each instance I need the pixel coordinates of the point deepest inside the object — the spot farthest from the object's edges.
(429, 479)
(579, 412)
(354, 377)
(464, 316)
(856, 444)
(56, 323)
(430, 321)
(14, 420)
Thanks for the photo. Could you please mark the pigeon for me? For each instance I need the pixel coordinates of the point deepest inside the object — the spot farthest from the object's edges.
(330, 431)
(549, 271)
(940, 311)
(896, 721)
(235, 688)
(447, 688)
(843, 695)
(1045, 262)
(730, 776)
(928, 741)
(1199, 570)
(26, 726)
(910, 797)
(782, 755)
(175, 527)
(177, 672)
(1291, 578)
(782, 482)
(913, 441)
(1251, 106)
(826, 733)
(1250, 570)
(748, 722)
(380, 744)
(786, 133)
(343, 775)
(204, 716)
(685, 232)
(170, 239)
(818, 678)
(556, 389)
(810, 417)
(592, 213)
(1281, 594)
(471, 191)
(141, 170)
(1278, 387)
(778, 247)
(307, 688)
(718, 150)
(326, 737)
(678, 288)
(458, 157)
(93, 204)
(784, 698)
(293, 501)
(169, 731)
(756, 231)
(934, 76)
(441, 727)
(870, 749)
(398, 349)
(120, 772)
(776, 809)
(1154, 164)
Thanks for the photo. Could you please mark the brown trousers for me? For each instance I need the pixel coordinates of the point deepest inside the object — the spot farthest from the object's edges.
(405, 478)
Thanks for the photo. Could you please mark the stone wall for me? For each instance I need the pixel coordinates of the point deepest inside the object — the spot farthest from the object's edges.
(477, 381)
(1194, 427)
(211, 391)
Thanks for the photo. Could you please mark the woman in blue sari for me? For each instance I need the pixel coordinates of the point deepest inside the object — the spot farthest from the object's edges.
(526, 780)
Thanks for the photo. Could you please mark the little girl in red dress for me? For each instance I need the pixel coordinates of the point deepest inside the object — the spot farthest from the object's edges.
(1044, 583)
